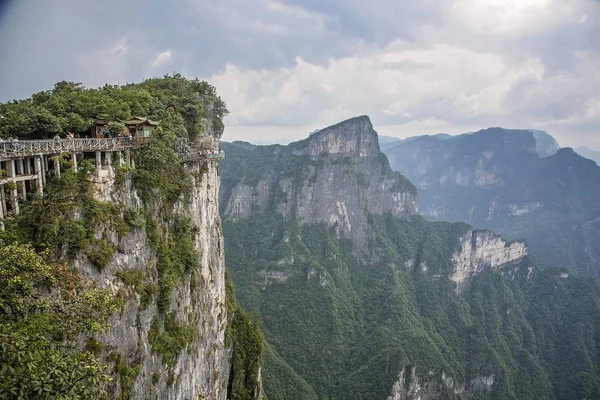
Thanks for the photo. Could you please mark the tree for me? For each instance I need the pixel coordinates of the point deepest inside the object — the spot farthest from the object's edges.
(70, 107)
(24, 119)
(116, 128)
(45, 313)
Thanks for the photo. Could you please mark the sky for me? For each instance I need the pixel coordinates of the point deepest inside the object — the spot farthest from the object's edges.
(287, 67)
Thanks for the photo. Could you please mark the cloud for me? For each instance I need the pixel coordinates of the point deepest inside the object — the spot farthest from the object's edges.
(111, 63)
(450, 87)
(531, 63)
(162, 58)
(285, 67)
(513, 18)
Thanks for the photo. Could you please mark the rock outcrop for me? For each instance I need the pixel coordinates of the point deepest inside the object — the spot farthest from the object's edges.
(177, 350)
(336, 176)
(480, 250)
(410, 386)
(202, 369)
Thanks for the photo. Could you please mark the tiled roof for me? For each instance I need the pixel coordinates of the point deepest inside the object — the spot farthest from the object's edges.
(139, 120)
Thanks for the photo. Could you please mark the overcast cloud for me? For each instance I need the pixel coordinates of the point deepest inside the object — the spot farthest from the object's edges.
(286, 67)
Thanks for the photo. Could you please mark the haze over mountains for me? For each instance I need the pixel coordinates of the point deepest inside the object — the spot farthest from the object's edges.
(588, 153)
(516, 182)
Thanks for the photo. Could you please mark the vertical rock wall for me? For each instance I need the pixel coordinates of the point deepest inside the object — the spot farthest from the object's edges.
(483, 249)
(202, 368)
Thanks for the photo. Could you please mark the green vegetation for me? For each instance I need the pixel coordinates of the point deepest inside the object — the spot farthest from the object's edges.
(248, 162)
(172, 339)
(338, 328)
(132, 278)
(99, 252)
(159, 172)
(121, 174)
(69, 107)
(45, 311)
(281, 381)
(247, 349)
(50, 222)
(127, 374)
(176, 257)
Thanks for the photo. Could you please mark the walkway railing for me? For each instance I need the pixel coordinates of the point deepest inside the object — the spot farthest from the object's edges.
(14, 149)
(203, 155)
(29, 148)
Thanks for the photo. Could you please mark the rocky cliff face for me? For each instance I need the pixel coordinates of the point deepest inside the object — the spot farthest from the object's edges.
(409, 386)
(202, 368)
(143, 226)
(480, 250)
(336, 176)
(170, 340)
(439, 310)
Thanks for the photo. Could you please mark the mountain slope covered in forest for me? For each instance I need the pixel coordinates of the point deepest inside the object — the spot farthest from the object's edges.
(405, 309)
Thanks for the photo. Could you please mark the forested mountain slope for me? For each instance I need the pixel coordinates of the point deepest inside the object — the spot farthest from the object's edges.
(399, 307)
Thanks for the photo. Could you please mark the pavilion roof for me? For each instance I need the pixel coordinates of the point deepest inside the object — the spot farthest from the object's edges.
(140, 120)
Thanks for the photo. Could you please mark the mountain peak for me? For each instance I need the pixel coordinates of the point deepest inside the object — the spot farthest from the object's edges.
(352, 137)
(571, 157)
(361, 120)
(336, 176)
(566, 151)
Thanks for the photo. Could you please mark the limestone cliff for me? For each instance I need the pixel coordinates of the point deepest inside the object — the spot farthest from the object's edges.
(336, 176)
(409, 386)
(279, 204)
(138, 217)
(201, 371)
(514, 182)
(171, 339)
(480, 250)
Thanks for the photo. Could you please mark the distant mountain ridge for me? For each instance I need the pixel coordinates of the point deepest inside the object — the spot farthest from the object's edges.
(516, 182)
(588, 153)
(546, 145)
